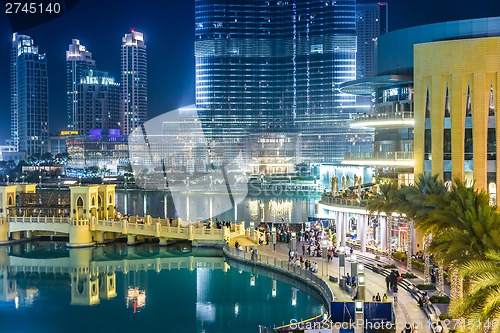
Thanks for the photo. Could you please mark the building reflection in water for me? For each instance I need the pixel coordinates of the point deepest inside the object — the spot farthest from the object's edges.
(136, 299)
(91, 273)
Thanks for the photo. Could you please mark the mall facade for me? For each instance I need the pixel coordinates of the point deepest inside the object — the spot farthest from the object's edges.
(435, 109)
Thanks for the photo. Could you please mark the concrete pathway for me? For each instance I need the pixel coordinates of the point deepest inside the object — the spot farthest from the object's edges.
(406, 308)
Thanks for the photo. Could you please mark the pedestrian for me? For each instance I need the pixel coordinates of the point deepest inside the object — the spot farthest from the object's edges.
(352, 250)
(377, 298)
(387, 281)
(384, 298)
(395, 293)
(303, 249)
(438, 328)
(407, 328)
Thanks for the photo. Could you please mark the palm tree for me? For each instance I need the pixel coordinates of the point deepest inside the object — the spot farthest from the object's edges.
(464, 229)
(418, 200)
(386, 200)
(482, 303)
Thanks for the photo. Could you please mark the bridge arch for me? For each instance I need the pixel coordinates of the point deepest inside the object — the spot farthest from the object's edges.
(79, 210)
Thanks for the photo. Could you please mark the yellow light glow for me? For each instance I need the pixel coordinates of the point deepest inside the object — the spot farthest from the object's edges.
(402, 163)
(375, 123)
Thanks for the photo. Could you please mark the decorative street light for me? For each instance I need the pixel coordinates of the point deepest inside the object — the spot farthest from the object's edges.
(7, 179)
(59, 182)
(341, 264)
(40, 181)
(324, 246)
(273, 234)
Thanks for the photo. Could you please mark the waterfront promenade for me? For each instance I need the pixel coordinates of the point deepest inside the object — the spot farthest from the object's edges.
(406, 308)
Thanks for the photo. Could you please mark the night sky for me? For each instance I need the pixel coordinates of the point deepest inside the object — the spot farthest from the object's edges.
(168, 26)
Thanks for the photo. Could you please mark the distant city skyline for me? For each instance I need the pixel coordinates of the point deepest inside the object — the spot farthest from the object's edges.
(169, 30)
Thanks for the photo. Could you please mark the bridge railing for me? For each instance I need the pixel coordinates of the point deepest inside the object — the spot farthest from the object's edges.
(38, 219)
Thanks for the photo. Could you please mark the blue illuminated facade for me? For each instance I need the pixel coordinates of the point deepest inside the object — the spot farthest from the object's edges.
(275, 67)
(29, 96)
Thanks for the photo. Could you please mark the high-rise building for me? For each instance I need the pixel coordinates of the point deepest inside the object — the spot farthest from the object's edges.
(29, 96)
(371, 22)
(78, 61)
(97, 102)
(134, 81)
(275, 67)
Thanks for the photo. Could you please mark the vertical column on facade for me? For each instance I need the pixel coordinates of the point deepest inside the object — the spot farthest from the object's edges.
(479, 128)
(344, 228)
(437, 124)
(363, 220)
(421, 86)
(337, 226)
(458, 90)
(383, 232)
(496, 96)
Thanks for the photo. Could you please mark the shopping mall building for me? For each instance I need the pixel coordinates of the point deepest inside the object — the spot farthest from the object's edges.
(436, 96)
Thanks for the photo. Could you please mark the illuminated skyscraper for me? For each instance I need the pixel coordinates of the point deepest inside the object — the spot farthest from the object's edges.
(29, 96)
(98, 102)
(78, 61)
(134, 80)
(371, 22)
(274, 67)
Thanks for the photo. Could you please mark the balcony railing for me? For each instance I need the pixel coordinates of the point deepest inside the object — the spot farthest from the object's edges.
(390, 156)
(385, 119)
(328, 200)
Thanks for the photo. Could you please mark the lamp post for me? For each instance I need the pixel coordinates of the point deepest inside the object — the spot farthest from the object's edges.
(324, 246)
(273, 236)
(8, 179)
(293, 241)
(341, 264)
(59, 182)
(80, 181)
(40, 181)
(361, 281)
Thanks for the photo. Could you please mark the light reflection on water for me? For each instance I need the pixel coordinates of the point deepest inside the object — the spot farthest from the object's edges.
(46, 288)
(277, 209)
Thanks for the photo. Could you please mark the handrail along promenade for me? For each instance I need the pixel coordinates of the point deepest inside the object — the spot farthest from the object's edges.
(285, 267)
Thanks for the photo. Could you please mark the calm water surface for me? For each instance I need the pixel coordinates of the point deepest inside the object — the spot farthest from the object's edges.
(45, 287)
(276, 208)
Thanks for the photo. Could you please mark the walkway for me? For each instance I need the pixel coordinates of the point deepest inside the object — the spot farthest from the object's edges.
(406, 309)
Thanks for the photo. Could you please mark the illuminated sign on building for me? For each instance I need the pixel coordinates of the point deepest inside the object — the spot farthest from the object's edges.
(65, 133)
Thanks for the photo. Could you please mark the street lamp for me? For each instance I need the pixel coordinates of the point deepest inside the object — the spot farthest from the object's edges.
(324, 245)
(80, 181)
(40, 181)
(59, 182)
(273, 234)
(293, 241)
(341, 264)
(8, 179)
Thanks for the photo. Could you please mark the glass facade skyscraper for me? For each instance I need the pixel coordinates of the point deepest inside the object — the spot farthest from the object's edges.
(29, 96)
(274, 67)
(78, 61)
(98, 102)
(134, 81)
